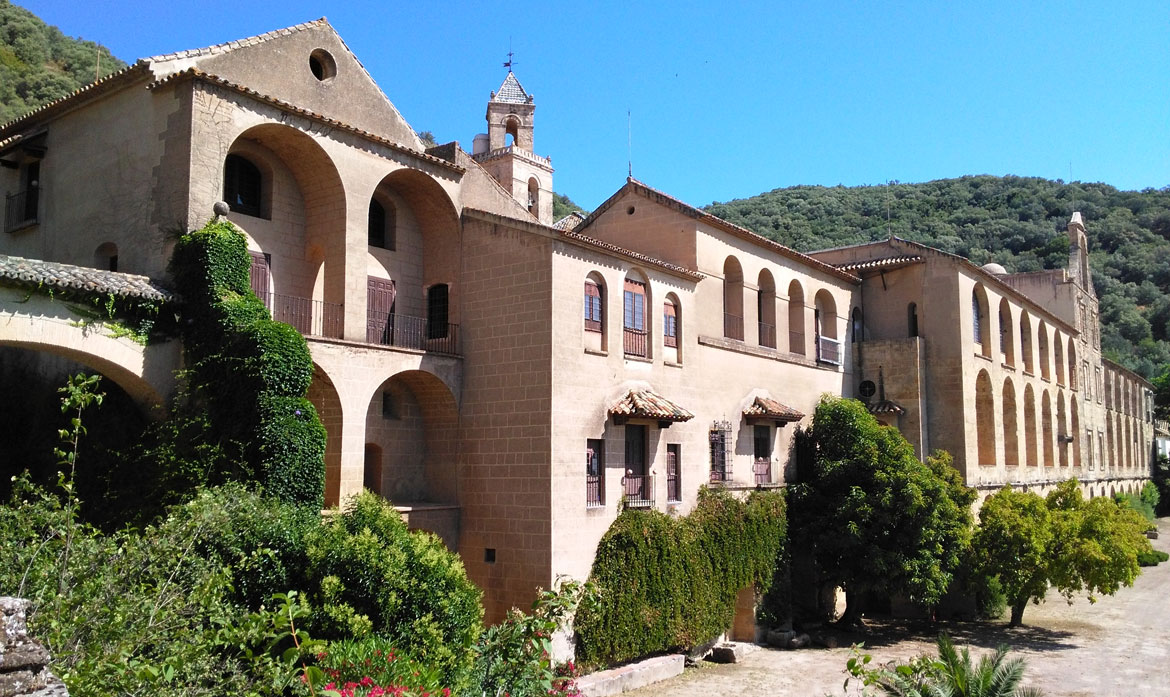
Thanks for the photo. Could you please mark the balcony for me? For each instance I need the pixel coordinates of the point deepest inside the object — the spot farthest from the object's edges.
(416, 333)
(634, 342)
(638, 490)
(20, 209)
(309, 317)
(594, 491)
(828, 350)
(767, 335)
(732, 326)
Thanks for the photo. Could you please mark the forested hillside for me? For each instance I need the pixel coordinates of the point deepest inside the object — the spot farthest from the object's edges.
(1017, 221)
(39, 64)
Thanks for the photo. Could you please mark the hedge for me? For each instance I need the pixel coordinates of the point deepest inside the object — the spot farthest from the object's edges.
(670, 583)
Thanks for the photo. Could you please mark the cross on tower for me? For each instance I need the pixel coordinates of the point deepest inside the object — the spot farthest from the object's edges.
(509, 63)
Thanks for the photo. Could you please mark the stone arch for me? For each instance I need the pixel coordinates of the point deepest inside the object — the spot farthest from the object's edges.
(1078, 438)
(732, 298)
(1058, 357)
(106, 256)
(1011, 426)
(1046, 428)
(981, 320)
(985, 419)
(1030, 427)
(512, 124)
(1063, 437)
(1042, 346)
(826, 314)
(534, 196)
(1007, 338)
(766, 309)
(1026, 350)
(796, 310)
(413, 417)
(323, 394)
(305, 211)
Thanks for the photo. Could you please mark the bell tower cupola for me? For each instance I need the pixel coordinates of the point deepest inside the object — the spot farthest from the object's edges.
(507, 150)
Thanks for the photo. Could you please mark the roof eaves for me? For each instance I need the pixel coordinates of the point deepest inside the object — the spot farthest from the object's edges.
(33, 273)
(238, 43)
(196, 74)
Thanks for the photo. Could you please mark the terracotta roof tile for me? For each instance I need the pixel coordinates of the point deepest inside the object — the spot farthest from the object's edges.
(230, 45)
(113, 81)
(885, 406)
(644, 404)
(570, 221)
(638, 256)
(764, 408)
(32, 273)
(883, 263)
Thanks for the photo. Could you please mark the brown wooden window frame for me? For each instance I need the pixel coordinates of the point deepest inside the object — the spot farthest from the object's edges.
(669, 325)
(593, 307)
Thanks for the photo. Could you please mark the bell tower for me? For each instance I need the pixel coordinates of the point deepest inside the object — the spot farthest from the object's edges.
(506, 151)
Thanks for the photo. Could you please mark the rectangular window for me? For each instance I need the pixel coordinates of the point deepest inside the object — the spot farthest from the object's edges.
(1097, 371)
(673, 469)
(762, 452)
(669, 325)
(592, 307)
(634, 319)
(1089, 445)
(720, 440)
(594, 472)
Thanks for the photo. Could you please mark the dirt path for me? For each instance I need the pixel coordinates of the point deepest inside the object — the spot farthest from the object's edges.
(1118, 646)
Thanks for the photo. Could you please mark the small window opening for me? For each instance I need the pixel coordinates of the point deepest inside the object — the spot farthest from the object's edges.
(242, 186)
(489, 555)
(437, 306)
(322, 64)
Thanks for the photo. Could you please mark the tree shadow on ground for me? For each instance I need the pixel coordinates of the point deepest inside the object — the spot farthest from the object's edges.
(886, 632)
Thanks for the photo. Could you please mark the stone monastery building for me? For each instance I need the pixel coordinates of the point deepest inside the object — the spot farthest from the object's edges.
(505, 379)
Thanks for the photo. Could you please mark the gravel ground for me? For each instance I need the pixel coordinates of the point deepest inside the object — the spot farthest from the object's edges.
(1118, 646)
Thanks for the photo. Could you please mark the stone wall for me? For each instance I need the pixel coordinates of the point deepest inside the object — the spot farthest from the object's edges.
(24, 663)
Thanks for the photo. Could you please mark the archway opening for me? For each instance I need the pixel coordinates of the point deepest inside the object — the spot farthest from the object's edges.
(985, 419)
(1011, 442)
(732, 299)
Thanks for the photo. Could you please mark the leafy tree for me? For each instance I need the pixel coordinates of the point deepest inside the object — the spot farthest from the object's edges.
(563, 205)
(1031, 543)
(871, 515)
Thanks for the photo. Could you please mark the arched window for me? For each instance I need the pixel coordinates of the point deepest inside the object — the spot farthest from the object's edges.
(635, 322)
(1007, 343)
(766, 309)
(594, 306)
(534, 197)
(243, 186)
(382, 225)
(1026, 342)
(912, 319)
(1011, 426)
(672, 327)
(979, 320)
(1030, 426)
(1058, 357)
(796, 318)
(511, 131)
(1076, 433)
(1074, 381)
(732, 299)
(825, 322)
(106, 256)
(1062, 435)
(985, 419)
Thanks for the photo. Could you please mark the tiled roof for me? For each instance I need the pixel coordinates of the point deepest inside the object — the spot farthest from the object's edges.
(885, 406)
(27, 273)
(570, 221)
(196, 74)
(638, 256)
(764, 408)
(719, 223)
(239, 43)
(883, 263)
(108, 83)
(644, 404)
(511, 92)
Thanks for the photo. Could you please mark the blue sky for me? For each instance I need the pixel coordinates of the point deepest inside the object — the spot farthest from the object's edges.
(728, 100)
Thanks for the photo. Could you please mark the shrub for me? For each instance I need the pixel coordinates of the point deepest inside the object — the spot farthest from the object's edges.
(667, 583)
(361, 666)
(408, 587)
(1152, 557)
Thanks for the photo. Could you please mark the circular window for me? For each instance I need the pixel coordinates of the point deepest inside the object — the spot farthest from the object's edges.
(867, 389)
(322, 64)
(630, 210)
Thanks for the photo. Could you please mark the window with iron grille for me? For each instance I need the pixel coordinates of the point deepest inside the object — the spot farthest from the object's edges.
(594, 472)
(720, 439)
(592, 307)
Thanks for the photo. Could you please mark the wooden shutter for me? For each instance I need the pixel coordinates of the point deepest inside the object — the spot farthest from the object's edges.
(260, 274)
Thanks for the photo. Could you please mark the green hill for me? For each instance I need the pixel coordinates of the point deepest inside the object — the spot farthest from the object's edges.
(1016, 221)
(39, 64)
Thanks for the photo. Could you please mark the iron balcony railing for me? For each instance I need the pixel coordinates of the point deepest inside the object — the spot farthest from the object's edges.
(634, 342)
(594, 490)
(309, 317)
(20, 209)
(732, 326)
(638, 490)
(414, 333)
(828, 350)
(767, 335)
(762, 468)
